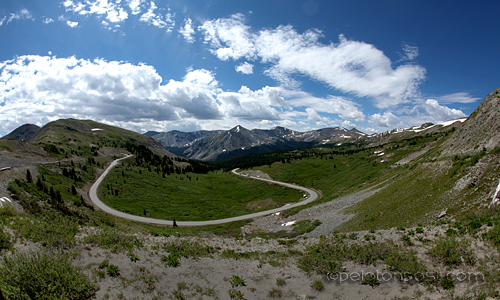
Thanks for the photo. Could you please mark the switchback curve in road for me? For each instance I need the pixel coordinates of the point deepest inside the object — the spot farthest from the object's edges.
(95, 199)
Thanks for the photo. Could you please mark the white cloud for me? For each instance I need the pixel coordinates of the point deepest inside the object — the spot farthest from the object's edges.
(111, 11)
(333, 105)
(38, 89)
(245, 68)
(229, 38)
(135, 6)
(410, 52)
(23, 14)
(48, 20)
(313, 116)
(2, 20)
(72, 24)
(457, 98)
(349, 66)
(154, 19)
(441, 113)
(188, 31)
(388, 119)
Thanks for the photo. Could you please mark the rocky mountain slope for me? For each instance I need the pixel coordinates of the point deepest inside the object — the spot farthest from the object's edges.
(482, 129)
(213, 145)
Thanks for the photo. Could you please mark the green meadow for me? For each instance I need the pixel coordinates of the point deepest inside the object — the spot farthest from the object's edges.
(190, 197)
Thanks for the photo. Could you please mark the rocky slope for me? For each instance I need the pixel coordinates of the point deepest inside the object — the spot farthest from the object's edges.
(482, 129)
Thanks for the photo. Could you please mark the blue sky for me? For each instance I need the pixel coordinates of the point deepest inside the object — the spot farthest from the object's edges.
(191, 65)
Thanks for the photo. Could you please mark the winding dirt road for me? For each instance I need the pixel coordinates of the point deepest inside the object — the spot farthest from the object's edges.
(93, 196)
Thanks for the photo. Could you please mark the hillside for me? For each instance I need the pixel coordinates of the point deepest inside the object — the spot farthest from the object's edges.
(23, 133)
(82, 135)
(481, 130)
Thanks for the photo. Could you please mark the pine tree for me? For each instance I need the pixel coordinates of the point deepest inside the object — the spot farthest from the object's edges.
(28, 176)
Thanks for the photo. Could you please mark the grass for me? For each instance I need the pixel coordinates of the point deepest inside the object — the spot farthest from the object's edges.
(113, 239)
(305, 226)
(52, 230)
(453, 252)
(39, 275)
(189, 197)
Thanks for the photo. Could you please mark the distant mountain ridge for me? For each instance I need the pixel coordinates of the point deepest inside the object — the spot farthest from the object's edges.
(218, 144)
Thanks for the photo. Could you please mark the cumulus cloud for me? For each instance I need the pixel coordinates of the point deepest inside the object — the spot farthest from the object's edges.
(349, 66)
(441, 113)
(135, 6)
(245, 68)
(387, 119)
(72, 24)
(457, 98)
(48, 20)
(37, 89)
(187, 31)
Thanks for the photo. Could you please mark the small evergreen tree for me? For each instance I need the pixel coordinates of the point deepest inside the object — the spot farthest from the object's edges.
(28, 176)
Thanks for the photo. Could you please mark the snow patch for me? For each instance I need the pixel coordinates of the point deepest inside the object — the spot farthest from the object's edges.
(96, 129)
(288, 223)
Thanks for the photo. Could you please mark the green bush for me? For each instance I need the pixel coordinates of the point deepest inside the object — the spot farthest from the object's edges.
(115, 240)
(493, 235)
(324, 257)
(318, 285)
(371, 280)
(5, 242)
(53, 230)
(237, 281)
(275, 293)
(452, 252)
(171, 260)
(404, 262)
(113, 271)
(39, 275)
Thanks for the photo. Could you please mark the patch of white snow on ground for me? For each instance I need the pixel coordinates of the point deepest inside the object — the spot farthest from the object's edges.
(288, 223)
(96, 129)
(496, 196)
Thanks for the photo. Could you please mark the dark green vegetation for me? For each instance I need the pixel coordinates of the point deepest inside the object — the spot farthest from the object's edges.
(40, 275)
(190, 197)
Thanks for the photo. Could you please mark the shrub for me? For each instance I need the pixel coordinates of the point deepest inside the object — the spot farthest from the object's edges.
(419, 230)
(318, 285)
(280, 281)
(404, 262)
(369, 253)
(324, 257)
(171, 260)
(493, 235)
(53, 230)
(4, 240)
(452, 252)
(237, 281)
(115, 240)
(275, 293)
(447, 283)
(371, 280)
(39, 275)
(235, 294)
(113, 271)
